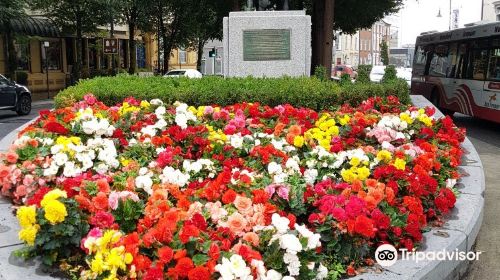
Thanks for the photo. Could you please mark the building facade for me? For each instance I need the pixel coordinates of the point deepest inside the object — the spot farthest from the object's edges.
(346, 49)
(370, 40)
(47, 57)
(491, 10)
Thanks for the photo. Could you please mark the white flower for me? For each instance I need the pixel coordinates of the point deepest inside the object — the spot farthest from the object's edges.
(156, 102)
(102, 168)
(60, 158)
(280, 223)
(274, 168)
(160, 111)
(292, 164)
(322, 272)
(236, 141)
(144, 182)
(288, 278)
(233, 268)
(273, 275)
(174, 176)
(290, 243)
(310, 176)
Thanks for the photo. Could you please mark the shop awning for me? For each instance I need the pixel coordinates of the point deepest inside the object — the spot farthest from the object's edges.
(33, 26)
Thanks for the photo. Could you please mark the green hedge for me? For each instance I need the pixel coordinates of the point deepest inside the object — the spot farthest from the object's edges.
(302, 92)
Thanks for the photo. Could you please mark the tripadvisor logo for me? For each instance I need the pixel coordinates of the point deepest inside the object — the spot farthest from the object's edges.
(387, 255)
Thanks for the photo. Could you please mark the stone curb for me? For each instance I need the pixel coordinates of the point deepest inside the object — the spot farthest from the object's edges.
(458, 233)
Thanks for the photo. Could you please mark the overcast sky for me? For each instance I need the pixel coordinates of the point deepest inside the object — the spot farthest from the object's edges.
(419, 16)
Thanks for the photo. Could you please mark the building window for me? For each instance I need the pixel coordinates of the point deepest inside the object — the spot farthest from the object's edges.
(52, 54)
(141, 55)
(123, 53)
(182, 56)
(22, 56)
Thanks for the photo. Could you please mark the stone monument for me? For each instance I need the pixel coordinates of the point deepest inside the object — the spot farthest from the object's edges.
(267, 44)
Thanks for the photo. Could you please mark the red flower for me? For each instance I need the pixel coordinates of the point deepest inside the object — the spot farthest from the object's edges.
(199, 273)
(187, 232)
(364, 226)
(183, 266)
(38, 196)
(102, 220)
(214, 251)
(229, 196)
(259, 196)
(153, 273)
(165, 254)
(55, 127)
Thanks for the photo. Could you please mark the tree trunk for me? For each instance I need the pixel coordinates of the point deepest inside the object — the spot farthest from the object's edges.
(322, 34)
(131, 44)
(317, 34)
(326, 58)
(167, 49)
(78, 63)
(201, 43)
(236, 6)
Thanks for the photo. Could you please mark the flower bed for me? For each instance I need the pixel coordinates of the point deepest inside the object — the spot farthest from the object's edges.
(147, 191)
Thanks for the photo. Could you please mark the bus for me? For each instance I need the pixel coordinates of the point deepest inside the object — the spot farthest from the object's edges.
(459, 70)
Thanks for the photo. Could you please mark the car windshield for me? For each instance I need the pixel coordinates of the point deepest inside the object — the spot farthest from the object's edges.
(176, 73)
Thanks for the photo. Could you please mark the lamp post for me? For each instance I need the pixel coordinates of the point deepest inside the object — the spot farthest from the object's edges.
(449, 19)
(46, 46)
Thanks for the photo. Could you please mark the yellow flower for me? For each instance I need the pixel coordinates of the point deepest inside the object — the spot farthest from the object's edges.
(26, 216)
(400, 164)
(325, 143)
(405, 117)
(52, 195)
(384, 155)
(124, 161)
(363, 173)
(425, 120)
(97, 265)
(355, 161)
(333, 130)
(55, 212)
(348, 175)
(298, 141)
(128, 258)
(344, 120)
(145, 104)
(28, 234)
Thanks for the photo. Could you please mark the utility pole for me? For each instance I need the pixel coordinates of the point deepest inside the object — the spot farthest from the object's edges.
(449, 20)
(45, 47)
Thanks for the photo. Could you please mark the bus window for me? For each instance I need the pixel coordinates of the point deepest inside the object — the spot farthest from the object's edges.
(422, 53)
(461, 61)
(452, 60)
(439, 63)
(478, 59)
(494, 62)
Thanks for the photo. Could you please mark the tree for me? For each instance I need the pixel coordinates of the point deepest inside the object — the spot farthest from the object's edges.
(209, 25)
(75, 16)
(137, 15)
(384, 52)
(11, 9)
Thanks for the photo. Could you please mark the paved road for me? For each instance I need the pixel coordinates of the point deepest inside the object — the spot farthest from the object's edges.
(9, 120)
(486, 138)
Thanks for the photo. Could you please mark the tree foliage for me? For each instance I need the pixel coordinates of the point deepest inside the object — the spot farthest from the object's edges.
(10, 9)
(384, 52)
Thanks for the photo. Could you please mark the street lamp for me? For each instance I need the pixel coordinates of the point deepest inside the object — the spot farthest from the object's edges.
(449, 19)
(46, 46)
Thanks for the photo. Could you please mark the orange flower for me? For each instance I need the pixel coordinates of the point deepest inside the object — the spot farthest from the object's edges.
(295, 130)
(279, 128)
(100, 201)
(11, 157)
(236, 223)
(252, 238)
(244, 205)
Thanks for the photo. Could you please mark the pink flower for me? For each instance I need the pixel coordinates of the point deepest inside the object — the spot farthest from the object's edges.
(114, 198)
(90, 99)
(283, 192)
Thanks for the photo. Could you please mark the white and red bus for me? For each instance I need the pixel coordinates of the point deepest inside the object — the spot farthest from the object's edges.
(459, 70)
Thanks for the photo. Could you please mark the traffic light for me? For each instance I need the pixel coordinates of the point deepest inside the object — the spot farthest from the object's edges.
(212, 53)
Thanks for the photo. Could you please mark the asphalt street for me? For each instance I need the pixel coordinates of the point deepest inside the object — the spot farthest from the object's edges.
(9, 120)
(486, 139)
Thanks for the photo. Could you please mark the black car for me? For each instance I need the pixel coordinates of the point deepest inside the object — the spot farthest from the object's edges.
(14, 96)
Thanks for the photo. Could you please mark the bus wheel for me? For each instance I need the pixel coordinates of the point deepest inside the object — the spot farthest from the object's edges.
(435, 102)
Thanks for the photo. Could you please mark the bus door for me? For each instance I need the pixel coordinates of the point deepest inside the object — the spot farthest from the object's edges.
(491, 90)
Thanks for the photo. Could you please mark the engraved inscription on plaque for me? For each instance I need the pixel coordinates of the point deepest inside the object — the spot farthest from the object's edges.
(266, 44)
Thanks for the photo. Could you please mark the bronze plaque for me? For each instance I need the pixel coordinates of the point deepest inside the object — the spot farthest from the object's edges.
(266, 44)
(110, 45)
